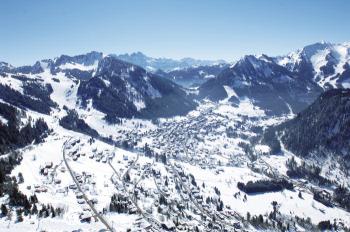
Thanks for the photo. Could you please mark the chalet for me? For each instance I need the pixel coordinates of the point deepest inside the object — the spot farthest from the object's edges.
(81, 201)
(79, 195)
(42, 189)
(86, 208)
(85, 187)
(48, 165)
(60, 190)
(237, 225)
(111, 155)
(132, 210)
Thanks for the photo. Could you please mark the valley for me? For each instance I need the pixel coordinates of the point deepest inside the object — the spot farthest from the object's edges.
(125, 149)
(167, 183)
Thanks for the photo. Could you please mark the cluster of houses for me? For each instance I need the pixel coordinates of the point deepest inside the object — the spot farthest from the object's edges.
(185, 140)
(48, 171)
(98, 156)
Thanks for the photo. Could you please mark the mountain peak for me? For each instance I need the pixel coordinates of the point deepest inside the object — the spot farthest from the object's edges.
(113, 65)
(5, 67)
(165, 64)
(312, 49)
(252, 64)
(87, 59)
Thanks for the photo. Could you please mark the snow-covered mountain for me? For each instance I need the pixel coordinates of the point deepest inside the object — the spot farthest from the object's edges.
(80, 66)
(5, 67)
(193, 76)
(269, 85)
(287, 82)
(326, 63)
(165, 64)
(122, 89)
(112, 86)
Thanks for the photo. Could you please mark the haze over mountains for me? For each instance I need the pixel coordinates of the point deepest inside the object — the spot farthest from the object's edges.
(165, 64)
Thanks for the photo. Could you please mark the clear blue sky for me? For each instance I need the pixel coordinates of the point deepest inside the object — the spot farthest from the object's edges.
(210, 29)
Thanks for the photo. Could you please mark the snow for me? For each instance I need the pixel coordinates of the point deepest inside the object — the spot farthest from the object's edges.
(319, 59)
(81, 67)
(346, 84)
(230, 92)
(262, 148)
(3, 120)
(51, 151)
(94, 119)
(226, 180)
(245, 107)
(257, 204)
(64, 91)
(122, 222)
(150, 68)
(217, 159)
(12, 82)
(318, 54)
(139, 104)
(106, 82)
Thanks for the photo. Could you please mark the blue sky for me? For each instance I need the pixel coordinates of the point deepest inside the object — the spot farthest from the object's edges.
(228, 29)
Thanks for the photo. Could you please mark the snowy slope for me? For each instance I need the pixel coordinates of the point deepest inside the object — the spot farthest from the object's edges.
(112, 86)
(179, 172)
(325, 63)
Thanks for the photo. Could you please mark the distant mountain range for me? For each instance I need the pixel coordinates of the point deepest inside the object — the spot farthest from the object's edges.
(165, 64)
(120, 85)
(193, 76)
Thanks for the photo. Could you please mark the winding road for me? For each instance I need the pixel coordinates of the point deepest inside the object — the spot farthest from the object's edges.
(97, 214)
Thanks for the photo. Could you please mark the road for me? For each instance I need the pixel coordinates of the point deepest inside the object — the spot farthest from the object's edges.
(174, 203)
(218, 221)
(156, 226)
(97, 214)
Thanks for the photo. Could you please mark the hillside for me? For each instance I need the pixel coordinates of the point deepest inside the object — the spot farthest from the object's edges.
(321, 127)
(112, 86)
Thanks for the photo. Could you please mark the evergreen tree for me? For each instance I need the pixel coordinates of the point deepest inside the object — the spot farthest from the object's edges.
(20, 178)
(34, 209)
(19, 215)
(4, 210)
(300, 196)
